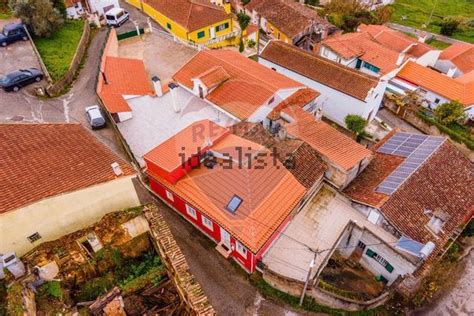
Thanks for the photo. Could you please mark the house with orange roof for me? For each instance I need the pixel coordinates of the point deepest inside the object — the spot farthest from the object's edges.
(200, 22)
(456, 60)
(435, 88)
(238, 86)
(232, 189)
(376, 50)
(343, 90)
(56, 179)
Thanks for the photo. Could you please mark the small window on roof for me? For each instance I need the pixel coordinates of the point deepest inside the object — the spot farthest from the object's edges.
(234, 204)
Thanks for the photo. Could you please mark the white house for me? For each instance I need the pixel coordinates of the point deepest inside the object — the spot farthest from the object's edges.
(343, 90)
(456, 60)
(56, 179)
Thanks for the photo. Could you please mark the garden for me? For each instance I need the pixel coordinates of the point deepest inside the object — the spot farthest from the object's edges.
(416, 13)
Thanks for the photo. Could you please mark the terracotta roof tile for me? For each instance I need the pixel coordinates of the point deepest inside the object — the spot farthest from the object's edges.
(461, 55)
(122, 76)
(290, 17)
(322, 70)
(43, 160)
(190, 14)
(268, 194)
(213, 77)
(328, 142)
(441, 84)
(300, 98)
(250, 84)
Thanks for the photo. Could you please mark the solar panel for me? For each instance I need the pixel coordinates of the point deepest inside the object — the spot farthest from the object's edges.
(416, 149)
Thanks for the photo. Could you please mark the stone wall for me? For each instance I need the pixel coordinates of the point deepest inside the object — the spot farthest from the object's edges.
(189, 289)
(57, 87)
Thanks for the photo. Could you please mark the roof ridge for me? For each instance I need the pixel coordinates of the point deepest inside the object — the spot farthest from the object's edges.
(327, 61)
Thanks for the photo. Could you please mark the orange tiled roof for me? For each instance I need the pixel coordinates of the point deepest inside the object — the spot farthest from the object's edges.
(250, 84)
(460, 54)
(395, 40)
(300, 98)
(438, 83)
(189, 141)
(43, 160)
(213, 77)
(322, 70)
(363, 45)
(268, 194)
(122, 76)
(330, 143)
(190, 14)
(288, 16)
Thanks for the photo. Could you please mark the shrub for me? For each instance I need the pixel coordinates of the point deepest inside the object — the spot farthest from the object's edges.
(245, 2)
(241, 46)
(243, 20)
(53, 289)
(39, 15)
(355, 123)
(312, 2)
(251, 43)
(449, 26)
(450, 112)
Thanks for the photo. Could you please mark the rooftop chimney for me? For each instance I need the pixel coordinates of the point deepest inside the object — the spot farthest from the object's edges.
(400, 59)
(157, 85)
(318, 114)
(173, 86)
(451, 72)
(116, 168)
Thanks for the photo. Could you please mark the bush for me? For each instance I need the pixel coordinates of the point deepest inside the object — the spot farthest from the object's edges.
(245, 2)
(243, 20)
(312, 2)
(449, 26)
(39, 15)
(53, 289)
(450, 112)
(251, 43)
(355, 123)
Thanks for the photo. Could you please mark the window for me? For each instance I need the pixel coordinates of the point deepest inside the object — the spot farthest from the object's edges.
(191, 212)
(361, 245)
(234, 204)
(168, 26)
(241, 249)
(201, 34)
(325, 52)
(169, 195)
(372, 254)
(32, 238)
(222, 27)
(436, 101)
(371, 67)
(207, 222)
(271, 100)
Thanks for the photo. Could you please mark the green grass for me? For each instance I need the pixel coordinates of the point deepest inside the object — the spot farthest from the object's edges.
(5, 12)
(418, 12)
(58, 50)
(438, 44)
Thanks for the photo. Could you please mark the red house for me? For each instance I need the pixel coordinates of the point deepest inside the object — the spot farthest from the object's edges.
(231, 189)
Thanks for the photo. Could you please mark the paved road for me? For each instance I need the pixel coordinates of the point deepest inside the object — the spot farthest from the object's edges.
(69, 108)
(414, 31)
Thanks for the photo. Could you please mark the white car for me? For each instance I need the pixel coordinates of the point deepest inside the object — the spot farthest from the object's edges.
(116, 17)
(94, 117)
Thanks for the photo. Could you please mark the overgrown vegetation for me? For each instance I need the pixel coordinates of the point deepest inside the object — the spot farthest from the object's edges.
(59, 49)
(52, 289)
(42, 16)
(450, 112)
(348, 15)
(5, 12)
(14, 302)
(416, 13)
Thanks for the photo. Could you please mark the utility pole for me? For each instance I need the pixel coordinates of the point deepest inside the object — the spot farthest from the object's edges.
(431, 14)
(308, 277)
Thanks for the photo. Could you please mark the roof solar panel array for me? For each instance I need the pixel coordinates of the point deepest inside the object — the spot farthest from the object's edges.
(416, 149)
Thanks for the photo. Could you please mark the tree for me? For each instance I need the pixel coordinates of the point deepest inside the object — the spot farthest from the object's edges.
(241, 45)
(449, 26)
(39, 15)
(243, 20)
(356, 124)
(450, 112)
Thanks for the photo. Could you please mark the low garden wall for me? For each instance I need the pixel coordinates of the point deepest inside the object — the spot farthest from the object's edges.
(57, 87)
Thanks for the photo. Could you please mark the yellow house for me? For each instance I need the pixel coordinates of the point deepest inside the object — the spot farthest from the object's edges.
(195, 21)
(56, 179)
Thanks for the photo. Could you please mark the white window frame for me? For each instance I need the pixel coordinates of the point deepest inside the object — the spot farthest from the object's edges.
(169, 195)
(207, 223)
(241, 249)
(191, 211)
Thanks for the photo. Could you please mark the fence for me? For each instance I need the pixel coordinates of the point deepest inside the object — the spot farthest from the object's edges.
(130, 34)
(60, 85)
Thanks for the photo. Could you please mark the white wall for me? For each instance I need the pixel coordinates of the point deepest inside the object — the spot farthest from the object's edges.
(99, 5)
(336, 105)
(331, 55)
(63, 214)
(429, 59)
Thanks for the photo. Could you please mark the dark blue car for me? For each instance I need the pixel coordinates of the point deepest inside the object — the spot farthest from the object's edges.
(11, 33)
(18, 79)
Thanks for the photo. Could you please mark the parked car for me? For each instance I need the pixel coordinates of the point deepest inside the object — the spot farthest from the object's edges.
(94, 117)
(16, 80)
(11, 33)
(116, 17)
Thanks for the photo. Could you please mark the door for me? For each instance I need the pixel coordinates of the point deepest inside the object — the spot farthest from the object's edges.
(212, 32)
(225, 238)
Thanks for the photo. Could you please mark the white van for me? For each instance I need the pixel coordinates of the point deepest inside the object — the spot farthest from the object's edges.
(116, 17)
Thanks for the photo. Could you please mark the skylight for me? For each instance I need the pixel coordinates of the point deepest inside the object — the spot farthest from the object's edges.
(234, 204)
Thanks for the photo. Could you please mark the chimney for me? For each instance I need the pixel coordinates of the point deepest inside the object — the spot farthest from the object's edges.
(173, 86)
(400, 59)
(318, 114)
(116, 168)
(282, 133)
(451, 72)
(157, 85)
